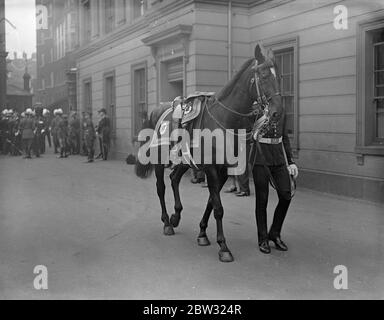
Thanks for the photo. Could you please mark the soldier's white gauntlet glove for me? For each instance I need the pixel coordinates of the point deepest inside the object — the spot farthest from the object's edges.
(293, 170)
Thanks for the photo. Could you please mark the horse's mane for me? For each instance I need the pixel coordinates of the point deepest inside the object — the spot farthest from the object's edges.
(229, 86)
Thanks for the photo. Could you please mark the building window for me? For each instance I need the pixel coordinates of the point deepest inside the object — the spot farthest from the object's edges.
(370, 88)
(109, 15)
(87, 18)
(285, 66)
(110, 100)
(286, 59)
(139, 8)
(139, 98)
(87, 95)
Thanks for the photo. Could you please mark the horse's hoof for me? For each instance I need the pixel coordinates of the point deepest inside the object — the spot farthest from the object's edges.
(168, 231)
(225, 256)
(203, 241)
(174, 221)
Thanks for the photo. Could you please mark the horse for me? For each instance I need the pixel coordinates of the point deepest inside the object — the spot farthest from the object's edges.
(252, 89)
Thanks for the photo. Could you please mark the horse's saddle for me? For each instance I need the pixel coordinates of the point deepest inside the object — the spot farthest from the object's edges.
(184, 111)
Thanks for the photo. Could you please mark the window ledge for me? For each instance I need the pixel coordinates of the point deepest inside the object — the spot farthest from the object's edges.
(371, 150)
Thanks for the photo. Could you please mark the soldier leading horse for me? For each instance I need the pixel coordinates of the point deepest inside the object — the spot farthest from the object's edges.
(253, 88)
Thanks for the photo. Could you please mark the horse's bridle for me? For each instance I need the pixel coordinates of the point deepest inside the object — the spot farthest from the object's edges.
(261, 125)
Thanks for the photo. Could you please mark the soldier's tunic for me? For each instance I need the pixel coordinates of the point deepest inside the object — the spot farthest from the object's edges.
(47, 130)
(15, 138)
(4, 132)
(104, 130)
(272, 159)
(89, 138)
(54, 129)
(74, 135)
(27, 127)
(39, 141)
(62, 135)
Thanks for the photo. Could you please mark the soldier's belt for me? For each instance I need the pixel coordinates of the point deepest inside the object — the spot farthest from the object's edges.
(271, 140)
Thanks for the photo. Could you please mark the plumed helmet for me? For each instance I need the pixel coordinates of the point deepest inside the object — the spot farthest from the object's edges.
(45, 112)
(4, 112)
(23, 114)
(60, 111)
(29, 111)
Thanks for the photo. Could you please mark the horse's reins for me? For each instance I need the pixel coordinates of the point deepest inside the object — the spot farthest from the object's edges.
(261, 101)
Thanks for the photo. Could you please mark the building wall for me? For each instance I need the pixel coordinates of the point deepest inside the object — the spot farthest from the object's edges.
(52, 68)
(327, 93)
(119, 56)
(326, 76)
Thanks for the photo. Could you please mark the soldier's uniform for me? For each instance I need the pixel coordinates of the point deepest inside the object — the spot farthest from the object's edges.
(62, 135)
(89, 138)
(270, 164)
(47, 130)
(103, 131)
(4, 132)
(15, 137)
(54, 129)
(27, 126)
(74, 135)
(39, 140)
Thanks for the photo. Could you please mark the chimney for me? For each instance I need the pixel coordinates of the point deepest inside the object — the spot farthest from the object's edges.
(27, 79)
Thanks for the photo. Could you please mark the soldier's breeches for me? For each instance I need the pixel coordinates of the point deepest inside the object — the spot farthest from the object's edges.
(261, 179)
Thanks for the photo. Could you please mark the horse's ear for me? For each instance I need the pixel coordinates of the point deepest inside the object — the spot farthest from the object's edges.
(259, 54)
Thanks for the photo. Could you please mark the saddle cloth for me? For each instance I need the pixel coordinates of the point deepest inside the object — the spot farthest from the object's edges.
(190, 108)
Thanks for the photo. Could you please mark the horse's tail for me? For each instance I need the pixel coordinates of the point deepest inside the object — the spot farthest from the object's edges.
(144, 170)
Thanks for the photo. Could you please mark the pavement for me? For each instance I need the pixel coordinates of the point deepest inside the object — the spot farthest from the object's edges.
(97, 229)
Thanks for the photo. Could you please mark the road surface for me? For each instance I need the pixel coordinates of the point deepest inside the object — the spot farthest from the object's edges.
(97, 229)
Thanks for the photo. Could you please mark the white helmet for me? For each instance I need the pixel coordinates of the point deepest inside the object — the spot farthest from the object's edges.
(29, 111)
(60, 111)
(23, 114)
(45, 112)
(5, 111)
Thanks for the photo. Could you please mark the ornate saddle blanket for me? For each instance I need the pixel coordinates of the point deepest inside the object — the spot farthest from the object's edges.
(190, 108)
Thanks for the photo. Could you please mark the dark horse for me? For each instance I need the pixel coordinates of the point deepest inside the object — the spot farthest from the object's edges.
(253, 88)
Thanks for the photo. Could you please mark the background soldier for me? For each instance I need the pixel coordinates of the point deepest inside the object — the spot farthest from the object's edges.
(74, 134)
(89, 135)
(103, 131)
(27, 126)
(39, 140)
(54, 128)
(15, 138)
(4, 131)
(47, 129)
(62, 133)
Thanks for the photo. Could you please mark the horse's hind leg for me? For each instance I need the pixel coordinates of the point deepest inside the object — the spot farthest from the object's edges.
(225, 254)
(202, 239)
(160, 185)
(176, 176)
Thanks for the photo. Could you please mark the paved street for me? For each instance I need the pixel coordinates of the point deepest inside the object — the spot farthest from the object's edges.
(97, 229)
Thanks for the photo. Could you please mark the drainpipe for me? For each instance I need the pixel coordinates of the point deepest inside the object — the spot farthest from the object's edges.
(229, 39)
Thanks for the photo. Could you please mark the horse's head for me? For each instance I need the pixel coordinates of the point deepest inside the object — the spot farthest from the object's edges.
(266, 87)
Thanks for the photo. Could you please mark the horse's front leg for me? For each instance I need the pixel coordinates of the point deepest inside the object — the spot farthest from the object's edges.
(202, 239)
(175, 177)
(160, 185)
(225, 254)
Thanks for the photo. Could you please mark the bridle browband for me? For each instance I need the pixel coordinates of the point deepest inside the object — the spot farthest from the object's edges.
(260, 125)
